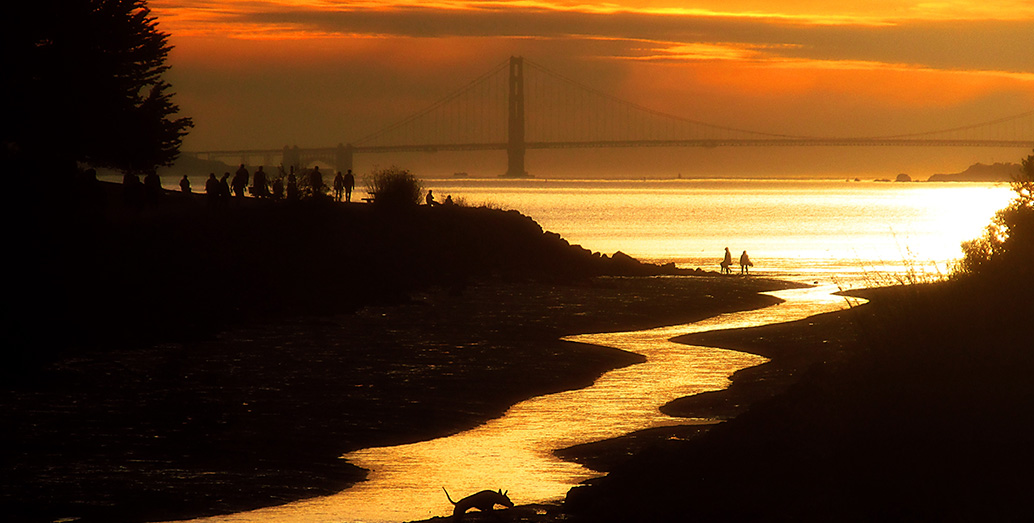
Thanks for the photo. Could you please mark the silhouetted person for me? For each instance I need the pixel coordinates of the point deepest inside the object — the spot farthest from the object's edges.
(153, 188)
(448, 201)
(339, 186)
(259, 188)
(184, 185)
(430, 199)
(239, 182)
(132, 191)
(278, 189)
(242, 171)
(292, 186)
(745, 263)
(212, 190)
(315, 181)
(224, 190)
(349, 185)
(727, 262)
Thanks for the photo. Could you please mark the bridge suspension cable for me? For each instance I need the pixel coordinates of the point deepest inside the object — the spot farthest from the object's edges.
(628, 121)
(1022, 125)
(475, 120)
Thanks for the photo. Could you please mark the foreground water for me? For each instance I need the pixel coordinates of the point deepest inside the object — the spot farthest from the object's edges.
(515, 451)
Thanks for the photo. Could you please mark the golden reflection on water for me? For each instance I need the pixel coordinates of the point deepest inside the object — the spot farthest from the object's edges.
(514, 452)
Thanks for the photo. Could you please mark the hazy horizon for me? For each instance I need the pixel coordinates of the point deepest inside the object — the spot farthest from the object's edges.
(865, 163)
(265, 74)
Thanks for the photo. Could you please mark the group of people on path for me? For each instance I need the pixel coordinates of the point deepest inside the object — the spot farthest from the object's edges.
(745, 263)
(343, 185)
(284, 186)
(136, 194)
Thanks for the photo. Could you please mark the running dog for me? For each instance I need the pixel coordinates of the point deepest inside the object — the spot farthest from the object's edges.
(485, 501)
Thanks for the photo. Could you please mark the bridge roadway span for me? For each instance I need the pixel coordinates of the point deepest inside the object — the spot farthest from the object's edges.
(762, 142)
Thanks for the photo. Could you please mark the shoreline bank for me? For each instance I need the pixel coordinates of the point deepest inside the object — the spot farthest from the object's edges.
(257, 413)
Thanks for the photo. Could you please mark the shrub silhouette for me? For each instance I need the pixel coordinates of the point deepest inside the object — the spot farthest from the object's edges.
(1007, 245)
(394, 187)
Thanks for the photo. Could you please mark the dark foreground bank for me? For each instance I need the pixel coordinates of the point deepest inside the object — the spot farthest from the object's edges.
(196, 361)
(100, 271)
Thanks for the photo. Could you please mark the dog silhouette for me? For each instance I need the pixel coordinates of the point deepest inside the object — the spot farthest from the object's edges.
(485, 501)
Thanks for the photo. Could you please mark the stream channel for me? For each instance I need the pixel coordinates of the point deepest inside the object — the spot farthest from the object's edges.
(515, 452)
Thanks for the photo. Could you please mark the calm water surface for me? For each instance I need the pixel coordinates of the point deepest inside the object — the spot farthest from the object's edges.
(833, 233)
(787, 226)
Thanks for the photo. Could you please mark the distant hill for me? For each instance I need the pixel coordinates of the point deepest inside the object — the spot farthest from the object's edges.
(978, 172)
(190, 165)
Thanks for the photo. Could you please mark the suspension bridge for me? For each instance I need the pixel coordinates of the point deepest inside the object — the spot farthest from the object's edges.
(508, 110)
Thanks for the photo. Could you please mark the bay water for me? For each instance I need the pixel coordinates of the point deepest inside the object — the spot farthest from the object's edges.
(795, 229)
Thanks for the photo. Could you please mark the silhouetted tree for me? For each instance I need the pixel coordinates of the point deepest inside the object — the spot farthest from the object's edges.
(84, 83)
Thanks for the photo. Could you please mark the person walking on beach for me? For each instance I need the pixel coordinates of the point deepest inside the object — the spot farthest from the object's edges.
(727, 262)
(184, 185)
(745, 263)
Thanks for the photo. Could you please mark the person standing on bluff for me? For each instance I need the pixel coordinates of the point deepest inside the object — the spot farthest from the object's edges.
(339, 186)
(224, 190)
(292, 186)
(315, 182)
(212, 191)
(349, 185)
(260, 188)
(240, 181)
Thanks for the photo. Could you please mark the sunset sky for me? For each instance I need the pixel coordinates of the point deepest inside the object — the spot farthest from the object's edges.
(264, 74)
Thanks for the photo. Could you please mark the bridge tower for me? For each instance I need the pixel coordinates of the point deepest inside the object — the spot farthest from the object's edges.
(515, 120)
(343, 157)
(291, 158)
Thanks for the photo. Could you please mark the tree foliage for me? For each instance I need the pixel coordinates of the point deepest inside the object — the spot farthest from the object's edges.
(85, 84)
(1007, 245)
